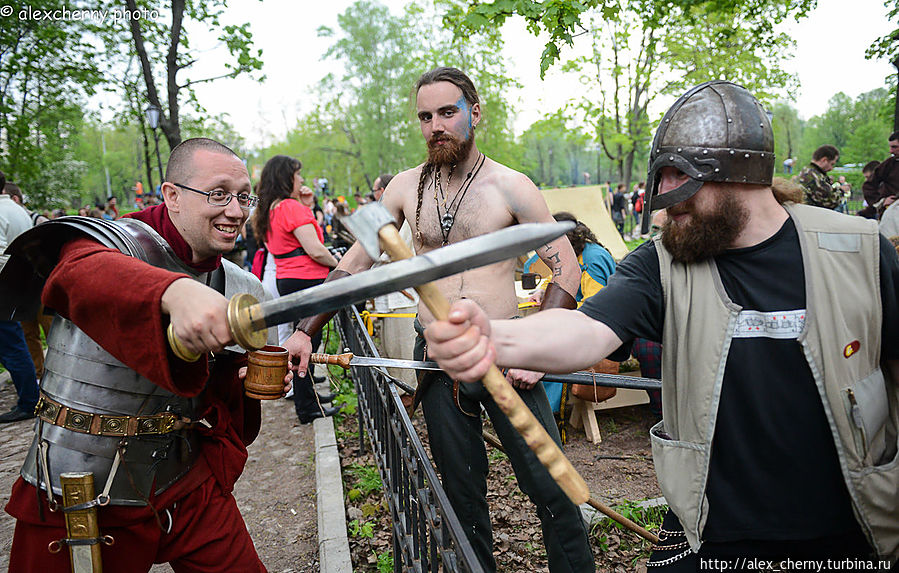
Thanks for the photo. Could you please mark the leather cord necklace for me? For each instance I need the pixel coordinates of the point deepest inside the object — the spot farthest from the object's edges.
(448, 218)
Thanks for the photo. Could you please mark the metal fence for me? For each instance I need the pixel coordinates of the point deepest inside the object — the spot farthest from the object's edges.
(427, 535)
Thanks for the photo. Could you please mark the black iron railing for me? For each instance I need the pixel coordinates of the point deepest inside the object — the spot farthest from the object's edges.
(427, 535)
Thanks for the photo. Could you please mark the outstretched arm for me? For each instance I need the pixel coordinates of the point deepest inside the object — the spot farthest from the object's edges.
(554, 341)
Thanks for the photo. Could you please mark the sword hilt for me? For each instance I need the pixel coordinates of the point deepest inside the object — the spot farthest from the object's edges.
(503, 394)
(342, 360)
(240, 321)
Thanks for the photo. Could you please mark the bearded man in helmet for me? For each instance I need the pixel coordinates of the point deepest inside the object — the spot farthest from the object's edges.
(778, 323)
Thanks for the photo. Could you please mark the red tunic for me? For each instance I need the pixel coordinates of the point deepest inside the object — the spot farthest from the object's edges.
(115, 299)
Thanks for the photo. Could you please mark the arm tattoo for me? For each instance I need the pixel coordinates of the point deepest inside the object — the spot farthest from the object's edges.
(556, 259)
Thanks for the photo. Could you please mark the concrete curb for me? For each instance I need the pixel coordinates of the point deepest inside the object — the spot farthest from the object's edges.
(333, 544)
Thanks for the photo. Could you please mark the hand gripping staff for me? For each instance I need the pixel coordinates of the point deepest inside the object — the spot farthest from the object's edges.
(374, 228)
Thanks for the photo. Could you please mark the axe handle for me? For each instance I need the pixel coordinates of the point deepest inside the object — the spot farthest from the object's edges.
(504, 395)
(342, 360)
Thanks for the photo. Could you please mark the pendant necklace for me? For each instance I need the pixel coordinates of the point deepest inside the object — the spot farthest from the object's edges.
(448, 218)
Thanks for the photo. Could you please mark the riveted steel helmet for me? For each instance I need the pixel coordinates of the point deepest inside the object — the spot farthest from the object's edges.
(717, 131)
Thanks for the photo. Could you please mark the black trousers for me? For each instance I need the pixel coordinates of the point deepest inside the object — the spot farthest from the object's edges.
(459, 452)
(304, 399)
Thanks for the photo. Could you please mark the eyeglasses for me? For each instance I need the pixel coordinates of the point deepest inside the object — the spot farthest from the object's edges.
(220, 198)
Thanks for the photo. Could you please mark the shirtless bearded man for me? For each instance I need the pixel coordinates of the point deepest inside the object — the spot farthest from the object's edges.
(457, 194)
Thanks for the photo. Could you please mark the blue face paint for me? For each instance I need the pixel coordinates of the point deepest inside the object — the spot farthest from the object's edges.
(462, 104)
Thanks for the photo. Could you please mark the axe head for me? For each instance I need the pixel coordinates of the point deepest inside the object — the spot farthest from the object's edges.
(365, 223)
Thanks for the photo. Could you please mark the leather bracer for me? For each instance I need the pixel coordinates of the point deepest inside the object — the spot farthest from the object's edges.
(556, 297)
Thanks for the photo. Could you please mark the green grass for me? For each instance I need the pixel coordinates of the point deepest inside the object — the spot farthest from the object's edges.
(648, 517)
(363, 530)
(367, 479)
(385, 562)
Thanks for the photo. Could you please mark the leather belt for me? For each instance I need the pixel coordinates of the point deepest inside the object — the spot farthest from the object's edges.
(298, 252)
(57, 414)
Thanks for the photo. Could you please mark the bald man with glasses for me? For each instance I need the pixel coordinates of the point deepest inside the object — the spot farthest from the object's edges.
(169, 473)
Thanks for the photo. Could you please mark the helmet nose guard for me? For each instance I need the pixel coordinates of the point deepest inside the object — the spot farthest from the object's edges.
(717, 131)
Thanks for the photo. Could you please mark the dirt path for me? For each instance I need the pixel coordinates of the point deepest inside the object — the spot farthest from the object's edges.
(276, 493)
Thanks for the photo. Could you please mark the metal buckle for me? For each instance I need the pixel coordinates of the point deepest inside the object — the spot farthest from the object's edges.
(167, 423)
(158, 424)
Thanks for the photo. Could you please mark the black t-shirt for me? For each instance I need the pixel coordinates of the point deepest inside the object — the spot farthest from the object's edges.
(774, 471)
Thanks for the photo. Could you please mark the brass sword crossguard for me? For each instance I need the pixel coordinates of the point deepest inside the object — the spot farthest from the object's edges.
(247, 329)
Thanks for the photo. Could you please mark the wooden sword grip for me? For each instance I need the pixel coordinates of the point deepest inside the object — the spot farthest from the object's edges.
(342, 360)
(503, 394)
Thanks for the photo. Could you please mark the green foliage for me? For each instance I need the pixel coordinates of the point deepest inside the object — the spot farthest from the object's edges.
(385, 561)
(497, 455)
(47, 69)
(149, 60)
(562, 20)
(887, 46)
(367, 479)
(555, 153)
(365, 124)
(362, 530)
(640, 45)
(649, 518)
(788, 132)
(859, 128)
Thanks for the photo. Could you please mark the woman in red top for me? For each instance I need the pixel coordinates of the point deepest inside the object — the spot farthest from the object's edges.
(296, 241)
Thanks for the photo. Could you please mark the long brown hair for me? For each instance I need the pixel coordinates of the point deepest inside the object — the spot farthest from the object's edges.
(580, 235)
(275, 183)
(454, 76)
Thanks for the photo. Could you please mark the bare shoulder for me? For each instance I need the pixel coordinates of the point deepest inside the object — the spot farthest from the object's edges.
(520, 193)
(507, 179)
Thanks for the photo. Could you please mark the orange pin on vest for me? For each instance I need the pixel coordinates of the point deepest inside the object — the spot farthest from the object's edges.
(851, 348)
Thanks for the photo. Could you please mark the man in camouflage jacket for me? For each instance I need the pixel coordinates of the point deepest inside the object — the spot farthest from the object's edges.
(818, 187)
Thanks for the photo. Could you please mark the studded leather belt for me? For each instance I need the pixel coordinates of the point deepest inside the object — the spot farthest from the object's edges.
(57, 414)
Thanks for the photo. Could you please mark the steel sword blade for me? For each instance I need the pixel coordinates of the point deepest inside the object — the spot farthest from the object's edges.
(582, 378)
(462, 256)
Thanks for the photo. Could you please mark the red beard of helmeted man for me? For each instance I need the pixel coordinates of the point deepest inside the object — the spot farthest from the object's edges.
(447, 149)
(706, 233)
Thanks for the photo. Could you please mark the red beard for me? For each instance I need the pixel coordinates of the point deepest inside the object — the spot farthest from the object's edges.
(452, 152)
(706, 234)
